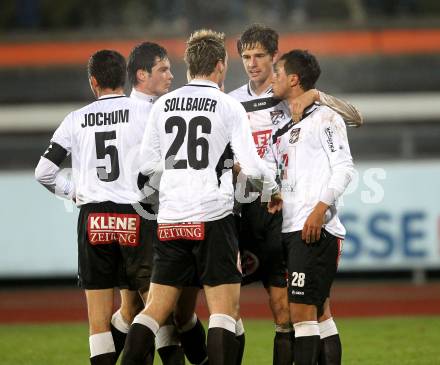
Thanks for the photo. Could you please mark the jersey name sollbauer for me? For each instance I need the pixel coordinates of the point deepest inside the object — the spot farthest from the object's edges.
(104, 139)
(195, 132)
(261, 113)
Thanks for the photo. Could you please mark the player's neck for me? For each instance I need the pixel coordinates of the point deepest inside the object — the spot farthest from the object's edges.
(260, 87)
(214, 77)
(294, 93)
(102, 92)
(145, 91)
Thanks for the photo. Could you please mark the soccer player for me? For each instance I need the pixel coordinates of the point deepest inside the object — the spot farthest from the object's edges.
(194, 130)
(149, 71)
(114, 243)
(315, 167)
(149, 74)
(260, 235)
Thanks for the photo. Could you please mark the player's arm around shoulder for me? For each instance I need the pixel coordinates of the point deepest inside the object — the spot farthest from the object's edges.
(350, 114)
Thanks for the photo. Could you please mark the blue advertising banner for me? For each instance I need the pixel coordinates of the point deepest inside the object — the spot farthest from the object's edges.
(391, 211)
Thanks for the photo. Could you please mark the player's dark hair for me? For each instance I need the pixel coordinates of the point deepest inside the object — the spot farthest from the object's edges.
(108, 68)
(258, 34)
(305, 65)
(143, 57)
(204, 49)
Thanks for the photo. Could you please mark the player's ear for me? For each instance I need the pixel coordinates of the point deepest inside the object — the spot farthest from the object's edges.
(141, 75)
(275, 57)
(221, 67)
(293, 80)
(93, 82)
(94, 86)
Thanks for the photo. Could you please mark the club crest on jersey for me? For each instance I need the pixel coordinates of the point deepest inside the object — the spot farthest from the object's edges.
(294, 135)
(276, 116)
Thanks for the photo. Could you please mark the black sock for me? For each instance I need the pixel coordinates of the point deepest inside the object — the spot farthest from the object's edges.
(282, 348)
(104, 359)
(331, 351)
(138, 345)
(194, 343)
(150, 358)
(306, 350)
(118, 339)
(172, 355)
(222, 346)
(292, 343)
(241, 342)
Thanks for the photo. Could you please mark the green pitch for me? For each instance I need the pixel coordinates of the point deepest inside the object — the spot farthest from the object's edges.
(366, 341)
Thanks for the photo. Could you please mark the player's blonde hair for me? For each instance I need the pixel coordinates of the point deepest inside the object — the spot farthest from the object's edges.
(204, 48)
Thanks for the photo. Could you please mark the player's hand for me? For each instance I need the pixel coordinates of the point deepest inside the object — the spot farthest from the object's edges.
(236, 168)
(301, 102)
(275, 204)
(311, 231)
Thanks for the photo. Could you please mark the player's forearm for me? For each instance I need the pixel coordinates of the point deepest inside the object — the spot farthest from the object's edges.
(352, 116)
(342, 174)
(48, 175)
(264, 181)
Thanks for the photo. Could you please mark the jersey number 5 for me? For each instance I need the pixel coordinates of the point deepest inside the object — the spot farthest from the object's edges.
(192, 145)
(101, 151)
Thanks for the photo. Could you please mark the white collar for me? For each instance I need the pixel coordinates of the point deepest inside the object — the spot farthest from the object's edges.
(203, 82)
(142, 96)
(251, 92)
(107, 96)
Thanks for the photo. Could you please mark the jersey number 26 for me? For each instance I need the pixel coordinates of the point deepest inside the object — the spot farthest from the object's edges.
(192, 145)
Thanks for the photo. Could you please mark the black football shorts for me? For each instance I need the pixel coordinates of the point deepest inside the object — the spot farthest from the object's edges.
(260, 245)
(115, 247)
(196, 254)
(312, 267)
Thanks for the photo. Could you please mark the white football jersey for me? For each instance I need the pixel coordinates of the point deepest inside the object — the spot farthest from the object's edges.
(314, 164)
(264, 112)
(261, 114)
(192, 136)
(138, 95)
(104, 139)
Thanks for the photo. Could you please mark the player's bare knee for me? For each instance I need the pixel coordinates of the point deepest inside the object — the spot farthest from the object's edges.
(303, 312)
(129, 312)
(279, 305)
(326, 312)
(280, 311)
(98, 325)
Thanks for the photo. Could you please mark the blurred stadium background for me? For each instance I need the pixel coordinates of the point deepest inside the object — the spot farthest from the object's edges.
(383, 56)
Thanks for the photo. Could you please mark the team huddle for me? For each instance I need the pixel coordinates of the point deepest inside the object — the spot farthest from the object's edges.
(196, 189)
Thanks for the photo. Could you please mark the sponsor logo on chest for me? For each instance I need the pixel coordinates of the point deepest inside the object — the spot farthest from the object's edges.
(261, 139)
(330, 142)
